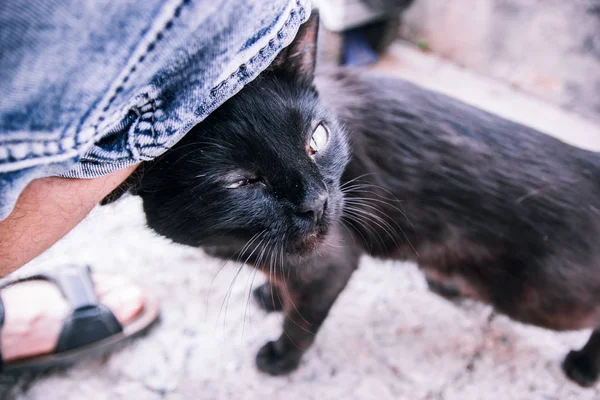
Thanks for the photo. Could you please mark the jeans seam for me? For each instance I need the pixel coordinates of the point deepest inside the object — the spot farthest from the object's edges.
(149, 49)
(209, 104)
(73, 150)
(242, 67)
(237, 74)
(202, 110)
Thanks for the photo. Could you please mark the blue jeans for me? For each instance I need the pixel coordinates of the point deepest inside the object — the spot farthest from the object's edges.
(90, 87)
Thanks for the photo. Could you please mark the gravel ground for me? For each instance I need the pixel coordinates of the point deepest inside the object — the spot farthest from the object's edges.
(387, 337)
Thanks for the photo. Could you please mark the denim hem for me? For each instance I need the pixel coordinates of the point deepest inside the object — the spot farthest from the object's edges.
(88, 91)
(143, 143)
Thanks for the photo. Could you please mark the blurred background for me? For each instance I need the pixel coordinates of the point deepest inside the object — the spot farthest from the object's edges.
(536, 62)
(550, 49)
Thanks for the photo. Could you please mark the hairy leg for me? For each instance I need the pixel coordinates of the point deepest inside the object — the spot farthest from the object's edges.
(46, 211)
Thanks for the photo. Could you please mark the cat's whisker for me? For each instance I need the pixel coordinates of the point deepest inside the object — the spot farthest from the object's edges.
(361, 188)
(361, 185)
(273, 267)
(290, 298)
(367, 189)
(271, 282)
(251, 283)
(227, 297)
(345, 217)
(398, 208)
(355, 220)
(257, 266)
(225, 302)
(357, 214)
(284, 284)
(355, 179)
(378, 220)
(380, 201)
(225, 263)
(239, 270)
(329, 245)
(362, 203)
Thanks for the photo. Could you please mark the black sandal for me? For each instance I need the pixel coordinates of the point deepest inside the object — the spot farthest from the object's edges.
(90, 330)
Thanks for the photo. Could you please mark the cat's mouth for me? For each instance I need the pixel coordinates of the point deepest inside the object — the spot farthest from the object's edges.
(311, 242)
(310, 239)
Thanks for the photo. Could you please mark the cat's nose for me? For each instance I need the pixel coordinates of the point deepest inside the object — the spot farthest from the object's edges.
(313, 208)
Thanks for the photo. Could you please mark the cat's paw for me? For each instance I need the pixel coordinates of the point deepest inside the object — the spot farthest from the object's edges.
(581, 368)
(272, 360)
(267, 297)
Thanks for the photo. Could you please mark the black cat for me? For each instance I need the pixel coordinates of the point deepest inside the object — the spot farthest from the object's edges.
(506, 214)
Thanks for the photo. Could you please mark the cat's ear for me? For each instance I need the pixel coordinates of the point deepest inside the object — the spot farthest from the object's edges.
(298, 59)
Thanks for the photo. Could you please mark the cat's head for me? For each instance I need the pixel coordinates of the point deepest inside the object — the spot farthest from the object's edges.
(264, 167)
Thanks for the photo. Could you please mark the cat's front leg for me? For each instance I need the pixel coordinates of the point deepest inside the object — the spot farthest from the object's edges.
(583, 366)
(268, 297)
(307, 298)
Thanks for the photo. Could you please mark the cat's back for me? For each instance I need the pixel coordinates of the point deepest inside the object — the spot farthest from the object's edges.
(454, 165)
(513, 211)
(378, 106)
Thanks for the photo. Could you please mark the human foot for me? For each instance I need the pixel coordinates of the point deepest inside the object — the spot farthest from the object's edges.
(35, 312)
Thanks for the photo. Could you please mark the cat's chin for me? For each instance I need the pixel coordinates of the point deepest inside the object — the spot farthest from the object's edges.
(311, 243)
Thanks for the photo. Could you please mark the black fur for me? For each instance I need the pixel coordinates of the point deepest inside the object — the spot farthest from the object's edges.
(506, 214)
(487, 207)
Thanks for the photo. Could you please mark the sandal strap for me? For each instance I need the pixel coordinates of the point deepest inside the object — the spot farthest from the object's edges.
(75, 283)
(89, 321)
(86, 326)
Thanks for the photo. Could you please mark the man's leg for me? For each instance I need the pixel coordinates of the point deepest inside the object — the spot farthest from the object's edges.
(34, 311)
(46, 211)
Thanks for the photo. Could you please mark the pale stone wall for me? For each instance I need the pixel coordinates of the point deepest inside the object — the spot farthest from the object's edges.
(550, 48)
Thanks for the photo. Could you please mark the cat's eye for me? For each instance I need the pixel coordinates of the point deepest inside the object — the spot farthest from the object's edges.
(319, 139)
(244, 182)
